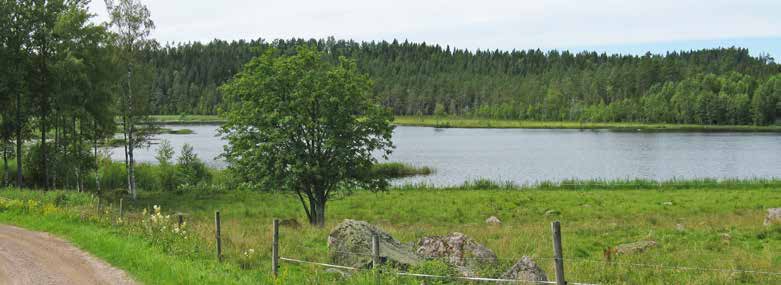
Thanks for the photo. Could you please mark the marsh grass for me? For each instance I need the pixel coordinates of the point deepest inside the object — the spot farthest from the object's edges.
(592, 219)
(467, 122)
(463, 122)
(399, 170)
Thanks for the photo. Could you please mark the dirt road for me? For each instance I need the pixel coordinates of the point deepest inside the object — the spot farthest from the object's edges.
(28, 257)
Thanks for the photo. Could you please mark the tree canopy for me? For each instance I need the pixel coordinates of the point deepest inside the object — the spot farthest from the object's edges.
(304, 124)
(416, 78)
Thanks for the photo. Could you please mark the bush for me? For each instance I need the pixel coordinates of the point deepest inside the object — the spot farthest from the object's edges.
(190, 169)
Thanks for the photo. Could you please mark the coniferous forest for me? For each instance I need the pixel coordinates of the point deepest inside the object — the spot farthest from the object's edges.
(712, 87)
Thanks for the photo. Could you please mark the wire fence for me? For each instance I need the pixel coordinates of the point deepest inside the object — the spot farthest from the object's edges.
(429, 276)
(558, 260)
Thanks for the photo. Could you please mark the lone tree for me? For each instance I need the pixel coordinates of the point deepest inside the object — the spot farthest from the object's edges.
(305, 124)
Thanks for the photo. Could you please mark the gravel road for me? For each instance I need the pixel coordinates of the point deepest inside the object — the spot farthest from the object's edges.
(28, 257)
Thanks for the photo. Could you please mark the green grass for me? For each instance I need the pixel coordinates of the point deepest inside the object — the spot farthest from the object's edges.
(459, 122)
(398, 170)
(593, 218)
(187, 119)
(176, 131)
(464, 122)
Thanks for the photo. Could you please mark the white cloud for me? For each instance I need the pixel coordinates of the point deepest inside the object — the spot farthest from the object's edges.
(507, 25)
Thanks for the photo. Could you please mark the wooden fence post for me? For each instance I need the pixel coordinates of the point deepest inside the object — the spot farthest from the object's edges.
(275, 249)
(181, 220)
(558, 256)
(219, 241)
(376, 257)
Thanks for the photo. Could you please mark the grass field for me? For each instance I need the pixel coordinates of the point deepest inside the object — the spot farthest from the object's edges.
(461, 122)
(722, 229)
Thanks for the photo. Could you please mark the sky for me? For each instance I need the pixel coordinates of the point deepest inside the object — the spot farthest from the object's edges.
(613, 26)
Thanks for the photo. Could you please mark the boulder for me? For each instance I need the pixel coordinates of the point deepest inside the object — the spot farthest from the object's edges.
(349, 244)
(493, 220)
(525, 270)
(773, 216)
(458, 250)
(635, 247)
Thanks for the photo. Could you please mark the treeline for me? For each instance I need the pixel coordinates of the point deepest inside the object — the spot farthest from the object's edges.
(421, 79)
(64, 81)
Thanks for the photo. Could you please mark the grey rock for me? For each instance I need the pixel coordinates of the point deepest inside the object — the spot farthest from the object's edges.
(525, 270)
(342, 274)
(635, 247)
(773, 216)
(458, 250)
(493, 220)
(349, 244)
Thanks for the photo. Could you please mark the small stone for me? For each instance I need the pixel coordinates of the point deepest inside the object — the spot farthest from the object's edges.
(493, 220)
(525, 270)
(635, 247)
(773, 216)
(291, 223)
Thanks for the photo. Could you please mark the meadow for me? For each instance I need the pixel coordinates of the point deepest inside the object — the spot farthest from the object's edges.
(708, 232)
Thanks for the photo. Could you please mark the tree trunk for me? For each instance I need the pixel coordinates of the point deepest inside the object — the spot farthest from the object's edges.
(124, 135)
(6, 171)
(19, 183)
(78, 132)
(317, 209)
(97, 162)
(45, 154)
(129, 143)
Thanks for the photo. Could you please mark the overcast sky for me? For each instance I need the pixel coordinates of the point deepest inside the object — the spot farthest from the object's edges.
(622, 26)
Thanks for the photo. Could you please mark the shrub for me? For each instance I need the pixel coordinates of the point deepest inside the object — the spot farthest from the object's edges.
(190, 168)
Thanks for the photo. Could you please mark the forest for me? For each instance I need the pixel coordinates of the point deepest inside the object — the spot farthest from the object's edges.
(68, 84)
(724, 86)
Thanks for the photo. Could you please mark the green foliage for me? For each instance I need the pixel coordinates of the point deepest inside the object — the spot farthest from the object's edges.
(301, 123)
(435, 267)
(165, 152)
(190, 169)
(398, 170)
(420, 79)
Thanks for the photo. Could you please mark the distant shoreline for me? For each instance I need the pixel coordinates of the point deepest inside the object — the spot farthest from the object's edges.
(461, 122)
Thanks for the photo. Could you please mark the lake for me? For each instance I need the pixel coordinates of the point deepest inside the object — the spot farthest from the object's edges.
(528, 156)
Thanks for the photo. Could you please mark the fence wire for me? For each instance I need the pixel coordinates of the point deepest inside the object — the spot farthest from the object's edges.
(419, 275)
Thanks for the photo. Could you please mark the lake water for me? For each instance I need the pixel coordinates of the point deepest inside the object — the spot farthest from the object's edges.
(529, 156)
